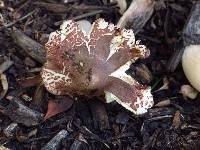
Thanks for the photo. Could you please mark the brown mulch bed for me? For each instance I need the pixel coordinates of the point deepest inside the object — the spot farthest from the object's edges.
(174, 123)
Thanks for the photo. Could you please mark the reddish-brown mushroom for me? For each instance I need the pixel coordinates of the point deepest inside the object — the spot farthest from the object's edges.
(94, 64)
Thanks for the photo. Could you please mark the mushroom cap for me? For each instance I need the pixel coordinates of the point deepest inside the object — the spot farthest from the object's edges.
(191, 65)
(94, 62)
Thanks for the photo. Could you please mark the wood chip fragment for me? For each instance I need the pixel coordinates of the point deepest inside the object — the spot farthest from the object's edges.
(4, 148)
(30, 46)
(191, 34)
(141, 73)
(174, 60)
(55, 142)
(5, 26)
(78, 143)
(20, 113)
(137, 14)
(163, 103)
(122, 4)
(99, 114)
(176, 121)
(38, 96)
(56, 8)
(5, 65)
(4, 84)
(10, 130)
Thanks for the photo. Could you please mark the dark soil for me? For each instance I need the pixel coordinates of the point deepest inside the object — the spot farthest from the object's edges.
(90, 123)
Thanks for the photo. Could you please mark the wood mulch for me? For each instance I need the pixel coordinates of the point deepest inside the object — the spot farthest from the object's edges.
(173, 123)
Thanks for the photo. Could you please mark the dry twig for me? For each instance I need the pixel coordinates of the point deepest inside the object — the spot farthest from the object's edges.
(16, 21)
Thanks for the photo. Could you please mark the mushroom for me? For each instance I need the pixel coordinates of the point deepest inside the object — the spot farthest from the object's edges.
(94, 64)
(191, 65)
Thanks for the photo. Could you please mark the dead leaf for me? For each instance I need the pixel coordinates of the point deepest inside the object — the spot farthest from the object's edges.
(30, 81)
(57, 106)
